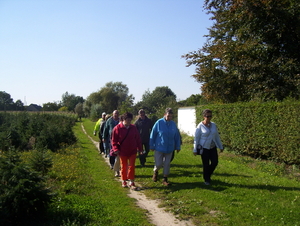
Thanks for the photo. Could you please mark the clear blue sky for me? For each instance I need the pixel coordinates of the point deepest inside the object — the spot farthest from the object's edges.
(48, 47)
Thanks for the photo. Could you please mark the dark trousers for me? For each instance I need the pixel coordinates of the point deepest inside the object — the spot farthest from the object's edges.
(209, 162)
(144, 156)
(101, 147)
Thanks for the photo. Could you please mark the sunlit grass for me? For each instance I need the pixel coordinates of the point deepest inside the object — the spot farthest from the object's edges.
(244, 191)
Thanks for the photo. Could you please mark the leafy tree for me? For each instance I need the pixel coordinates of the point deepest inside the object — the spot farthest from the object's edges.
(252, 51)
(51, 106)
(158, 98)
(110, 97)
(79, 110)
(127, 105)
(6, 102)
(70, 101)
(193, 100)
(19, 106)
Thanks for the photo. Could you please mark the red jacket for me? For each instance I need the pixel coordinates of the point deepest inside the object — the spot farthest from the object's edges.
(127, 144)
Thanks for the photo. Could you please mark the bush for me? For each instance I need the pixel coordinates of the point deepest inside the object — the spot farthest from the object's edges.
(261, 130)
(23, 193)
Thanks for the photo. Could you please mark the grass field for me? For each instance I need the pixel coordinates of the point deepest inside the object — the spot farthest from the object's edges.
(244, 191)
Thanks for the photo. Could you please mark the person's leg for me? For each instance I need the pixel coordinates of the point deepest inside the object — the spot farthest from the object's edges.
(131, 167)
(158, 163)
(213, 156)
(173, 155)
(142, 157)
(166, 170)
(124, 167)
(101, 146)
(117, 166)
(205, 163)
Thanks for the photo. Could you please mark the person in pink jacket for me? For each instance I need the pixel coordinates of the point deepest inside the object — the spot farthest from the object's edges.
(126, 142)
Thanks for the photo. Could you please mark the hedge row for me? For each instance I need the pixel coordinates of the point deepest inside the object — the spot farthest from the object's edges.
(25, 131)
(261, 130)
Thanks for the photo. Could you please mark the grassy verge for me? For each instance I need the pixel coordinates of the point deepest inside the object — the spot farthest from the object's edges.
(88, 194)
(244, 191)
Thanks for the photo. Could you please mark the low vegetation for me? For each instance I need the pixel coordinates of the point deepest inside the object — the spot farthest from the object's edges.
(76, 187)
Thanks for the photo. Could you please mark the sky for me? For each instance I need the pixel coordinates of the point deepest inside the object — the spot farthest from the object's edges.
(50, 47)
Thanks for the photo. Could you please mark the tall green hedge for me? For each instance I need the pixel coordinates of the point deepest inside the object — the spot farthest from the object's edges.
(263, 130)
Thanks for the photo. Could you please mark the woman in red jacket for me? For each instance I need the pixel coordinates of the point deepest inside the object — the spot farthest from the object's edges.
(126, 142)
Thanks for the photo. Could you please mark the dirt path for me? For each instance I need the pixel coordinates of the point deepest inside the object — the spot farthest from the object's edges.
(158, 216)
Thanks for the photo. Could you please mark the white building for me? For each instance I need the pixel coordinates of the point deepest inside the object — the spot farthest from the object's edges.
(187, 120)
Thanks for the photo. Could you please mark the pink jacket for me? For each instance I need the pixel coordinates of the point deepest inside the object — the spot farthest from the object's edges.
(127, 141)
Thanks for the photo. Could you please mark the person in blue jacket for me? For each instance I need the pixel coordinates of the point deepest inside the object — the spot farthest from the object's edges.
(164, 139)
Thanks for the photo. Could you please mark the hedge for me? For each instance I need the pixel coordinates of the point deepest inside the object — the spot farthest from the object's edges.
(262, 130)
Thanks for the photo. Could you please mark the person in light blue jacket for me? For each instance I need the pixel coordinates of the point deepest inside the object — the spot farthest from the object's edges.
(164, 139)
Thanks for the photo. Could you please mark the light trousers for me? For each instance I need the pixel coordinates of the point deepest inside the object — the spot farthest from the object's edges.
(162, 160)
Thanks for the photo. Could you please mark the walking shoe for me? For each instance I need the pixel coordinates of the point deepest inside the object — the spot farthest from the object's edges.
(166, 183)
(117, 174)
(132, 186)
(124, 184)
(155, 175)
(206, 183)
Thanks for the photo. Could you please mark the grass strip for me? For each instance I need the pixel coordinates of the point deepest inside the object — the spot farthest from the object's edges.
(88, 193)
(244, 191)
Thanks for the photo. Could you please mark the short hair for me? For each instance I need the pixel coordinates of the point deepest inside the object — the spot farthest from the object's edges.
(168, 111)
(127, 115)
(206, 111)
(141, 110)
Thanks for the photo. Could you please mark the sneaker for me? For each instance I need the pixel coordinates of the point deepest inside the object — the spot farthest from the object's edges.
(117, 174)
(124, 184)
(166, 183)
(155, 175)
(206, 183)
(132, 186)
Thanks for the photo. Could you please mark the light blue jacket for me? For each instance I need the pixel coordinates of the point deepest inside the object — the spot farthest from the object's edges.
(165, 136)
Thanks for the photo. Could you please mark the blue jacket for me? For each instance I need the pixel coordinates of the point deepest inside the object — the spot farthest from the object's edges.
(164, 136)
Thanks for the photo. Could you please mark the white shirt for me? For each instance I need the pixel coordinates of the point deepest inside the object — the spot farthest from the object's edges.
(206, 135)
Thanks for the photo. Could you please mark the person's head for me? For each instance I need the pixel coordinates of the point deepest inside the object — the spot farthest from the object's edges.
(107, 116)
(168, 114)
(127, 118)
(115, 114)
(103, 115)
(207, 114)
(142, 113)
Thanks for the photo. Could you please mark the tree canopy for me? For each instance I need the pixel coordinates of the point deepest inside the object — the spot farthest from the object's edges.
(252, 51)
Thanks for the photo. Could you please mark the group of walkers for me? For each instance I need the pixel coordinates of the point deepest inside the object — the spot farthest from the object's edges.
(121, 141)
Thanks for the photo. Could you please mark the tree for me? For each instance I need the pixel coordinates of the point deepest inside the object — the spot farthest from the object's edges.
(6, 102)
(252, 51)
(79, 110)
(109, 98)
(19, 106)
(193, 100)
(159, 97)
(70, 101)
(155, 102)
(51, 106)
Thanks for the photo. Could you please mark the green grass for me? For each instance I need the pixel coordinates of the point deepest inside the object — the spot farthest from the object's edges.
(244, 191)
(88, 194)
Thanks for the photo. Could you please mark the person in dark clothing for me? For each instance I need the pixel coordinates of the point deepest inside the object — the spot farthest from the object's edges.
(107, 131)
(144, 126)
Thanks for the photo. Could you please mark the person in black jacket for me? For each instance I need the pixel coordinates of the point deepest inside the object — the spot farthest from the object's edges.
(144, 126)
